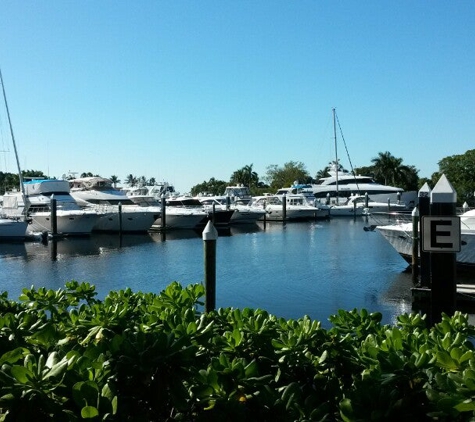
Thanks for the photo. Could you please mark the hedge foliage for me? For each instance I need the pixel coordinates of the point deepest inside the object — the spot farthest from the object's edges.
(67, 356)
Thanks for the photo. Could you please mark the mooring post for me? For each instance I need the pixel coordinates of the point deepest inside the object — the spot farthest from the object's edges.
(210, 234)
(441, 237)
(265, 214)
(120, 217)
(284, 208)
(54, 217)
(366, 200)
(163, 212)
(424, 257)
(415, 244)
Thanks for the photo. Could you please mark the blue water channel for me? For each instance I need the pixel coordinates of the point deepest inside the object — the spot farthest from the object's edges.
(306, 268)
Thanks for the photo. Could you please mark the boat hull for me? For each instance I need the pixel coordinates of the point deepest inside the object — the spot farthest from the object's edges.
(299, 213)
(180, 218)
(246, 215)
(75, 223)
(132, 220)
(400, 238)
(12, 229)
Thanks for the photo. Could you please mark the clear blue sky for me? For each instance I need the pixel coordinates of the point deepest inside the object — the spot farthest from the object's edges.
(188, 90)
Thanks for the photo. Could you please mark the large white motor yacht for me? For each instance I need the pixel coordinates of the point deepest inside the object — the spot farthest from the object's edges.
(35, 204)
(117, 211)
(343, 184)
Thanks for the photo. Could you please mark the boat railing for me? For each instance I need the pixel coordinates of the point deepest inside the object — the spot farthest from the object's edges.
(390, 218)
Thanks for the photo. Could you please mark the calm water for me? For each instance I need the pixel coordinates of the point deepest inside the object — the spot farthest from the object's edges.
(311, 268)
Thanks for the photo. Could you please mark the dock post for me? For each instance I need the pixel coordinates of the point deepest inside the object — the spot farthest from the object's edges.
(440, 236)
(163, 212)
(415, 244)
(210, 234)
(284, 208)
(265, 214)
(366, 200)
(54, 217)
(424, 257)
(120, 217)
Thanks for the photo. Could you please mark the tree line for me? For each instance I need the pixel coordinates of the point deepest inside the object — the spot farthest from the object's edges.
(384, 168)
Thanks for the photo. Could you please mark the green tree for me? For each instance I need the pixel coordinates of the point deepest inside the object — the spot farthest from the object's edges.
(11, 181)
(390, 170)
(131, 180)
(245, 176)
(279, 177)
(459, 170)
(322, 173)
(212, 187)
(114, 179)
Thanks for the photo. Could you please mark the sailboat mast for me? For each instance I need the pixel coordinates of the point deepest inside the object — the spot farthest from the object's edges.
(22, 188)
(336, 154)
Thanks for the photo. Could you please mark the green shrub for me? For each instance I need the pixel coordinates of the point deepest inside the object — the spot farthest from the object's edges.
(67, 356)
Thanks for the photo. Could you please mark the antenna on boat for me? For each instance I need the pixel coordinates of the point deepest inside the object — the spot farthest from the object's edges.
(22, 188)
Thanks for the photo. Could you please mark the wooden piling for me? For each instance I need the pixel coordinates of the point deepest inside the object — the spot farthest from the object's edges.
(210, 235)
(415, 244)
(284, 208)
(163, 212)
(54, 217)
(120, 217)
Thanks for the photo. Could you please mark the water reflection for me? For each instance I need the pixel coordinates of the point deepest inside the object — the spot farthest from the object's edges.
(96, 244)
(12, 250)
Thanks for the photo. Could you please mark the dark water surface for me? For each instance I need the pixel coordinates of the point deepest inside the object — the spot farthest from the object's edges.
(308, 268)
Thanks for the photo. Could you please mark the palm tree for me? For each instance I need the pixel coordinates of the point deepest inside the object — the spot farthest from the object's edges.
(114, 179)
(245, 176)
(131, 180)
(389, 168)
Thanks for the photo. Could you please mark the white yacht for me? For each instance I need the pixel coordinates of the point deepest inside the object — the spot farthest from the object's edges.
(117, 211)
(35, 204)
(219, 216)
(183, 213)
(342, 184)
(238, 192)
(400, 237)
(243, 213)
(13, 229)
(140, 195)
(296, 207)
